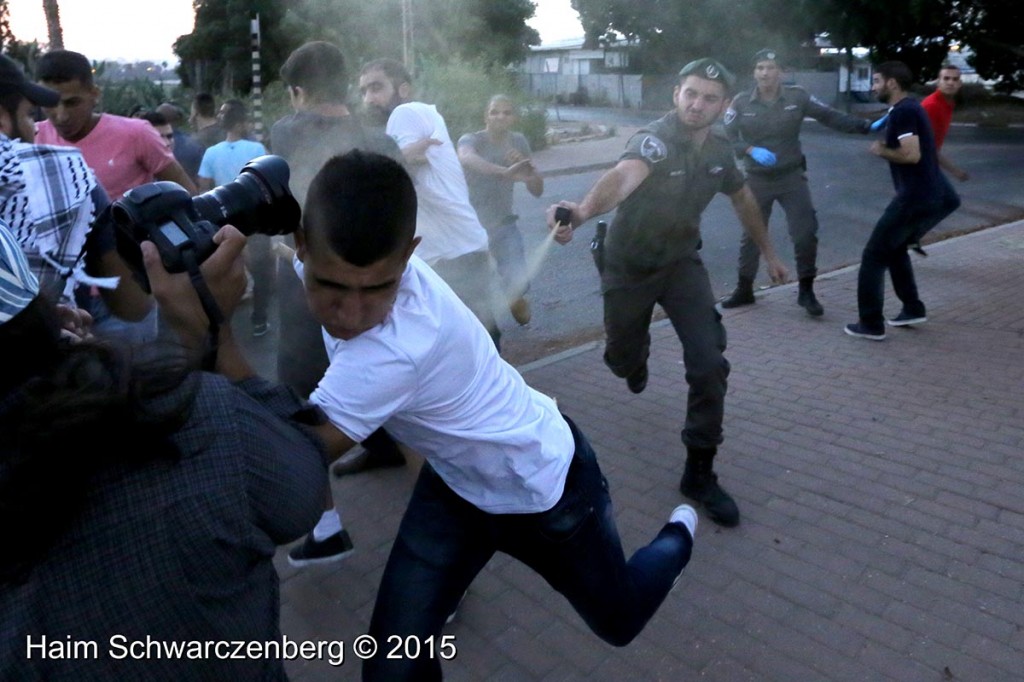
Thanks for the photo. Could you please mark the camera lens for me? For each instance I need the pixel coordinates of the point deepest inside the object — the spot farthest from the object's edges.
(258, 201)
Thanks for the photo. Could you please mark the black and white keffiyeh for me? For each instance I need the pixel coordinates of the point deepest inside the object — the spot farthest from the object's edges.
(46, 198)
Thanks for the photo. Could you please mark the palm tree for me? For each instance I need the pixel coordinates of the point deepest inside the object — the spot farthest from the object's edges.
(55, 34)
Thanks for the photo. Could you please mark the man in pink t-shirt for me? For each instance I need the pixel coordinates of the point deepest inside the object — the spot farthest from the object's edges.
(123, 152)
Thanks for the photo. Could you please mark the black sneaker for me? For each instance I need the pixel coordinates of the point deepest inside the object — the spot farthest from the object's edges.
(859, 330)
(637, 381)
(918, 249)
(905, 320)
(334, 548)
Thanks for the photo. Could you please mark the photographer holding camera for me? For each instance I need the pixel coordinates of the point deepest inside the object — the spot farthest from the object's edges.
(167, 529)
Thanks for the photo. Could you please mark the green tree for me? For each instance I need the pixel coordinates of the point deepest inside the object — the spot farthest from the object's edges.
(461, 90)
(992, 30)
(216, 56)
(917, 33)
(491, 32)
(363, 30)
(24, 53)
(119, 97)
(6, 35)
(670, 33)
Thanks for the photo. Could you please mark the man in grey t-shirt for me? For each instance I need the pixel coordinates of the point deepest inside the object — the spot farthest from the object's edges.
(495, 159)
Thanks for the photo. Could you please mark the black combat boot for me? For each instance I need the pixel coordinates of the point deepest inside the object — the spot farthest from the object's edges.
(637, 381)
(806, 298)
(700, 484)
(742, 295)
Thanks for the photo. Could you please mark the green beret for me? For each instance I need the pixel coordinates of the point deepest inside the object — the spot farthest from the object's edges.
(708, 69)
(767, 55)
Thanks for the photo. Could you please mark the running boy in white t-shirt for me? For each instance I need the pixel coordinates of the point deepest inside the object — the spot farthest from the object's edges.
(504, 470)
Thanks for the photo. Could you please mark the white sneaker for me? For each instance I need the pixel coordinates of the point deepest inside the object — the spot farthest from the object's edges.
(686, 515)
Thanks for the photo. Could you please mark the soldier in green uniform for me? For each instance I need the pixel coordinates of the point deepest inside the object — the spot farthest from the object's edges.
(664, 180)
(764, 127)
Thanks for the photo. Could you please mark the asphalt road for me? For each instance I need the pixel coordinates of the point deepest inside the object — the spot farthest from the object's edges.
(850, 188)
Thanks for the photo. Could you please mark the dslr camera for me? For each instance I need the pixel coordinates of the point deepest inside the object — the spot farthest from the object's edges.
(257, 201)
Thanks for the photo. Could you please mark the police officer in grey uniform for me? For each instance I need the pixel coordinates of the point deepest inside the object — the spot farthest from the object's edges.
(667, 176)
(764, 127)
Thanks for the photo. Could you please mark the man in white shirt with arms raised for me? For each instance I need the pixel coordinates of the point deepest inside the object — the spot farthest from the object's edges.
(453, 242)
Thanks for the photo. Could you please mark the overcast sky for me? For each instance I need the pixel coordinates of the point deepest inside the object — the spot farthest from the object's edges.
(134, 30)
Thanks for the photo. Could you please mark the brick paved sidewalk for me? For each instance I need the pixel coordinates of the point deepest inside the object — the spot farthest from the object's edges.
(881, 486)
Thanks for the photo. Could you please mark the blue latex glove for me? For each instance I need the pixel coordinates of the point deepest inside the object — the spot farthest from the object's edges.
(762, 156)
(879, 124)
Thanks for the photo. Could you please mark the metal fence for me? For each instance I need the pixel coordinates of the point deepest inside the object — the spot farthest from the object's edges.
(614, 90)
(653, 92)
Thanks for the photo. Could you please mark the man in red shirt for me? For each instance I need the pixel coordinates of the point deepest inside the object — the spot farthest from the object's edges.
(939, 107)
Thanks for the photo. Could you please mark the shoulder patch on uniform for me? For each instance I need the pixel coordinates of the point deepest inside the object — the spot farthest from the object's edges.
(653, 149)
(730, 115)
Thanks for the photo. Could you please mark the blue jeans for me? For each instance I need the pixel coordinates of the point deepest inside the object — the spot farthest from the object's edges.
(903, 222)
(444, 541)
(506, 246)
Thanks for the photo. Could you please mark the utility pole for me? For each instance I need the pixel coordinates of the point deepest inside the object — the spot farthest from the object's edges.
(408, 46)
(257, 83)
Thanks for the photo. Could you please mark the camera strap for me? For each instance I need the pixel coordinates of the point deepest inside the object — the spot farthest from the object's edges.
(209, 303)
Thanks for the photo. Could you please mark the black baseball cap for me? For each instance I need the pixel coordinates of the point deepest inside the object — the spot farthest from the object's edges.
(708, 69)
(12, 79)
